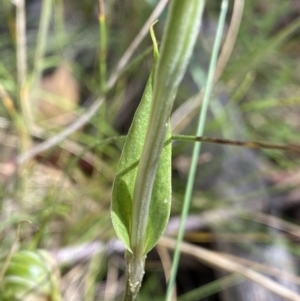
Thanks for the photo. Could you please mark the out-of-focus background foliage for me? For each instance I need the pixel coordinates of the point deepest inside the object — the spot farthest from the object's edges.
(60, 198)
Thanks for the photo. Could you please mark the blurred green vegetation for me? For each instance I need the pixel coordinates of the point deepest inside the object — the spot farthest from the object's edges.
(62, 196)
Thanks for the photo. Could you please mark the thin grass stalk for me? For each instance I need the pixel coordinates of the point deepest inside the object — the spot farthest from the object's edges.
(21, 41)
(17, 119)
(11, 251)
(212, 288)
(293, 148)
(197, 147)
(102, 46)
(229, 43)
(59, 24)
(26, 94)
(42, 38)
(91, 275)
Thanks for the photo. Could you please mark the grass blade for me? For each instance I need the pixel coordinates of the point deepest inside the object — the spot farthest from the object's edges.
(196, 151)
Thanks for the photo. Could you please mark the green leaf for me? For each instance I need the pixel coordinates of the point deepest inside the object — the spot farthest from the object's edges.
(29, 275)
(125, 179)
(160, 205)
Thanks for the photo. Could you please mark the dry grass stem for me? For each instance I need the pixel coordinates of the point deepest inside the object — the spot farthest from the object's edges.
(220, 262)
(166, 262)
(21, 41)
(275, 222)
(184, 113)
(266, 269)
(80, 122)
(111, 287)
(230, 38)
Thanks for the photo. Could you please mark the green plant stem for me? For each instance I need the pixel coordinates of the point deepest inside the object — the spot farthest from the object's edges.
(196, 151)
(102, 46)
(166, 81)
(177, 45)
(134, 275)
